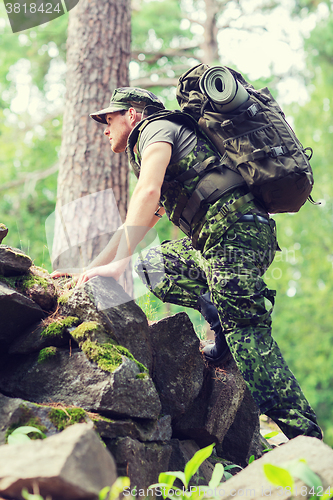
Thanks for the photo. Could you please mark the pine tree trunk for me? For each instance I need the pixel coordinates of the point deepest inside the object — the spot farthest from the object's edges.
(98, 55)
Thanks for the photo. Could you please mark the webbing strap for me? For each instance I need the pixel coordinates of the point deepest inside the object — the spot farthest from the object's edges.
(260, 154)
(236, 206)
(197, 169)
(250, 112)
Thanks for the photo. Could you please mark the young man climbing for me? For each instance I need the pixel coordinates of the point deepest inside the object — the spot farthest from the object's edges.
(217, 267)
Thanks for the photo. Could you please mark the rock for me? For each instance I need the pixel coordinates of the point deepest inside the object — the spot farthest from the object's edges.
(33, 341)
(212, 413)
(104, 301)
(151, 430)
(3, 232)
(178, 364)
(70, 378)
(42, 289)
(243, 437)
(13, 262)
(251, 482)
(17, 313)
(17, 412)
(71, 465)
(141, 462)
(182, 452)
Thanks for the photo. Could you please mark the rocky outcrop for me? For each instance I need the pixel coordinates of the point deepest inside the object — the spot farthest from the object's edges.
(72, 465)
(252, 482)
(93, 358)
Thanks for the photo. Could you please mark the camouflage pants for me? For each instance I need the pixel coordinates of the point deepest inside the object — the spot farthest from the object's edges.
(231, 269)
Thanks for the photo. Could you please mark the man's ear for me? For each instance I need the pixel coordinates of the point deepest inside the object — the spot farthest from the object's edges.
(133, 115)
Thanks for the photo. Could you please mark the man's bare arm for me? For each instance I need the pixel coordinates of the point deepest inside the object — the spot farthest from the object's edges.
(141, 212)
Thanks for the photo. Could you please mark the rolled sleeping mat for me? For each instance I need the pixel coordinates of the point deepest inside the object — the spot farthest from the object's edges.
(223, 88)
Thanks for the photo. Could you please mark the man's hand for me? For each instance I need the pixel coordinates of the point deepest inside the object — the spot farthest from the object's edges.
(112, 270)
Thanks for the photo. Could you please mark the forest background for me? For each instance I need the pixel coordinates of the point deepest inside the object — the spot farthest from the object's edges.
(287, 46)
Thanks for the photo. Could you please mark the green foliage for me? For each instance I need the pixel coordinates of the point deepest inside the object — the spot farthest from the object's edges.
(284, 477)
(62, 418)
(167, 479)
(20, 434)
(113, 493)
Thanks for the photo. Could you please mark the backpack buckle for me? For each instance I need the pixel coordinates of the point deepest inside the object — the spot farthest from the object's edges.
(278, 151)
(184, 226)
(227, 124)
(253, 110)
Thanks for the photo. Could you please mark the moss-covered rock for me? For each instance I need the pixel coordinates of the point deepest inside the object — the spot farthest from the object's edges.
(13, 262)
(59, 327)
(35, 284)
(27, 418)
(46, 354)
(62, 418)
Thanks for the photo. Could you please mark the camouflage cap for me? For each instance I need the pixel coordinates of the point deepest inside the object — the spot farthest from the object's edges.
(126, 98)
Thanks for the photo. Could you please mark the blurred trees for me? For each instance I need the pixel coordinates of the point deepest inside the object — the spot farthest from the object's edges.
(98, 55)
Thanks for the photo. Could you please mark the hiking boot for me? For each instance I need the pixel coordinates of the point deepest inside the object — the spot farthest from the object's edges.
(214, 352)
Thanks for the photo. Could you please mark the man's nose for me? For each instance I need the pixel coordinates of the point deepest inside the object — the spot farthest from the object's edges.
(107, 131)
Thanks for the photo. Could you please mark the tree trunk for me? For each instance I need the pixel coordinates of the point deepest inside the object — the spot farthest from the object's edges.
(98, 55)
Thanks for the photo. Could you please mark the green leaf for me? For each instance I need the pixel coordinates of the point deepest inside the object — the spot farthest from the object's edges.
(216, 476)
(251, 459)
(26, 429)
(278, 475)
(271, 434)
(118, 487)
(166, 488)
(29, 496)
(104, 493)
(193, 465)
(233, 466)
(18, 439)
(302, 471)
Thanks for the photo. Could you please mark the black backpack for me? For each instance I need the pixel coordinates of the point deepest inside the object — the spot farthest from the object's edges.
(254, 140)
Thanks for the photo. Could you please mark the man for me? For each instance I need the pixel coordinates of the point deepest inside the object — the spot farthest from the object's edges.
(217, 268)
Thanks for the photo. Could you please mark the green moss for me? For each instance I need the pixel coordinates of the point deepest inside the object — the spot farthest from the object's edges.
(27, 418)
(108, 357)
(143, 375)
(59, 326)
(30, 280)
(46, 354)
(63, 418)
(81, 332)
(10, 280)
(24, 282)
(63, 298)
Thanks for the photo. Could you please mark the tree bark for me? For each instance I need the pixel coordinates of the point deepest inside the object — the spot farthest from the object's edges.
(92, 194)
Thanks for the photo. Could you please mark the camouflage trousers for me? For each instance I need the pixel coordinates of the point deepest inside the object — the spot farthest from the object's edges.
(231, 268)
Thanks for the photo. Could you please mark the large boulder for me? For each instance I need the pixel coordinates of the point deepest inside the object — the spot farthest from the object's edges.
(69, 377)
(17, 313)
(252, 482)
(141, 462)
(243, 438)
(103, 300)
(213, 411)
(72, 465)
(13, 262)
(178, 364)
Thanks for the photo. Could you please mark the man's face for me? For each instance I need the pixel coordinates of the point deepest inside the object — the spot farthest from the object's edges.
(118, 130)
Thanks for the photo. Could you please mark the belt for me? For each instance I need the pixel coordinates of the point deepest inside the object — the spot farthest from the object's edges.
(252, 218)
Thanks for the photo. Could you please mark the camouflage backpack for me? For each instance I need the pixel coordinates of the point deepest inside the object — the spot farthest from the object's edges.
(254, 140)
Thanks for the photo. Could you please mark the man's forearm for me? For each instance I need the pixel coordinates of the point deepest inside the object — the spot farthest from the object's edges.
(109, 252)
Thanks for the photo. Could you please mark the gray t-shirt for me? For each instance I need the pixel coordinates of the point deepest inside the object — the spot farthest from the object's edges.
(181, 138)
